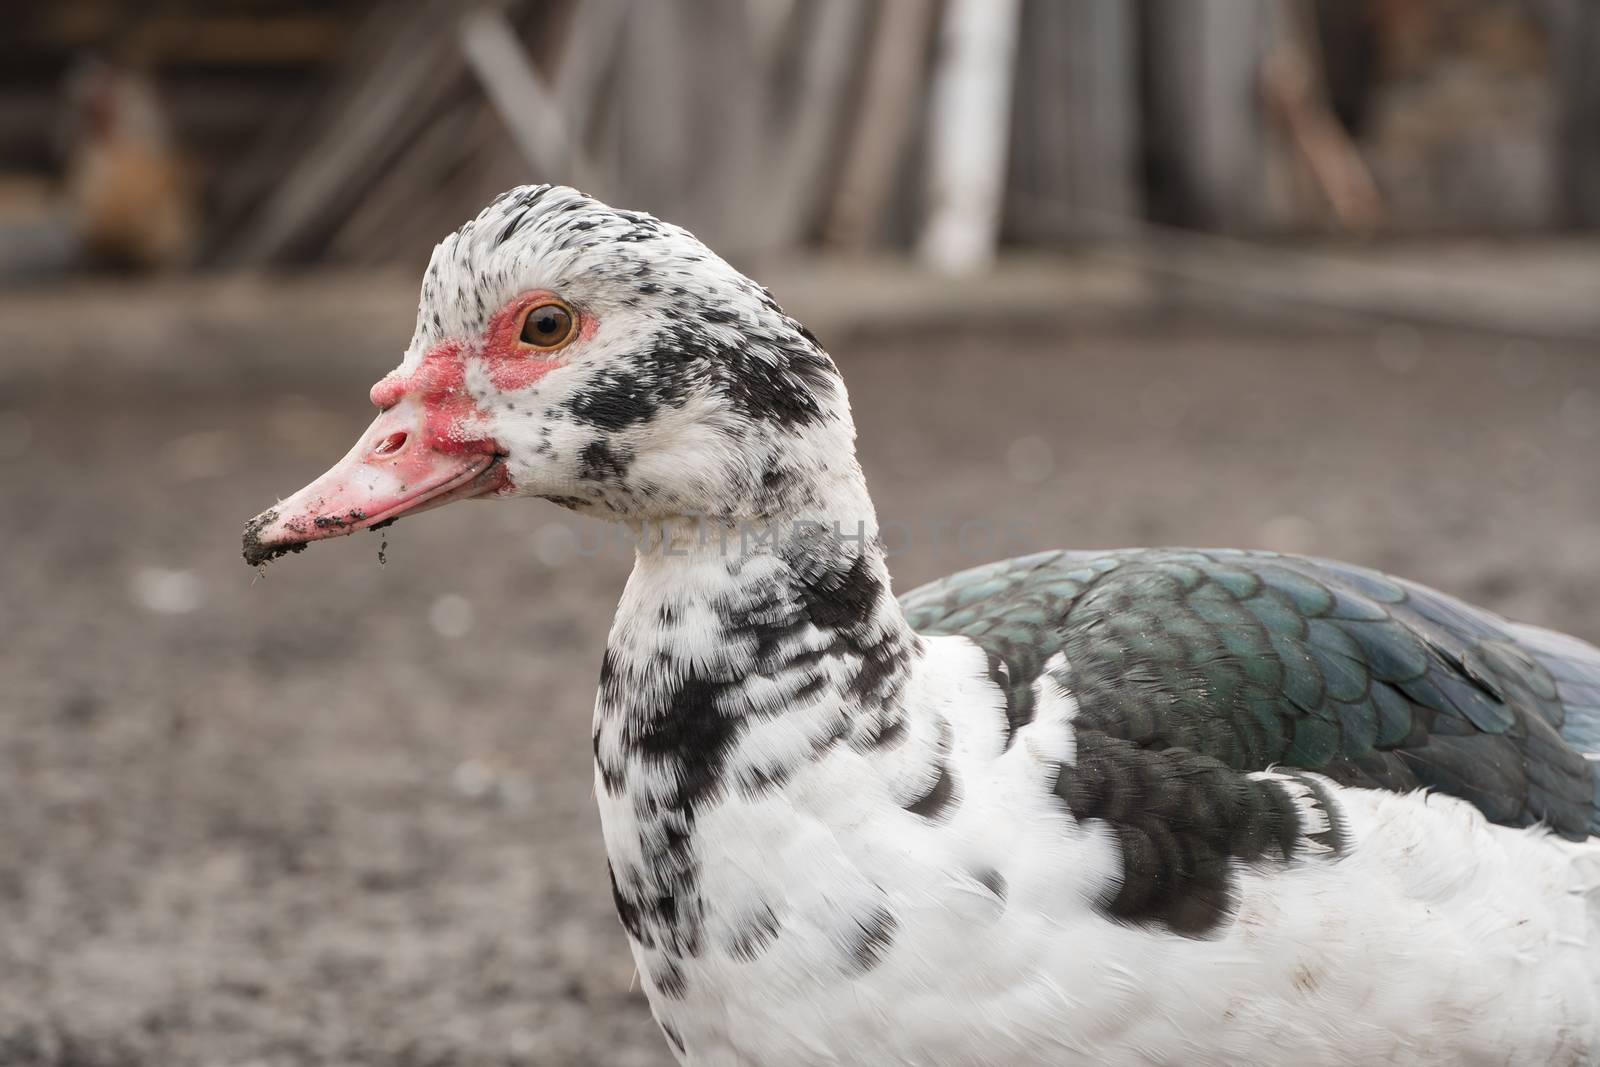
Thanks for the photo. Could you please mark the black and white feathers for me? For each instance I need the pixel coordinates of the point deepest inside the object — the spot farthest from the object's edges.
(1104, 808)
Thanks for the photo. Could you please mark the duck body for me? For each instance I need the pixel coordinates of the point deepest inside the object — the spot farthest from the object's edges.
(841, 889)
(1366, 962)
(1124, 807)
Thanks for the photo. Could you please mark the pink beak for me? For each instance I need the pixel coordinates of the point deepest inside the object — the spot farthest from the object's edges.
(397, 467)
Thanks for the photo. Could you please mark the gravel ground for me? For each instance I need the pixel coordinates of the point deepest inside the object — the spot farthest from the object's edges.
(341, 814)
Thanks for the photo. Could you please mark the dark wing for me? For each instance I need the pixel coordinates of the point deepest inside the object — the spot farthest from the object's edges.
(1258, 660)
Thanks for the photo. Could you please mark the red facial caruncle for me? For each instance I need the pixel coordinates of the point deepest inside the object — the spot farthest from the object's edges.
(513, 363)
(431, 443)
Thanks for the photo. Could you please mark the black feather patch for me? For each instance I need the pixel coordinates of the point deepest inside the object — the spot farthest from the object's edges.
(1019, 704)
(993, 881)
(615, 400)
(599, 462)
(1183, 821)
(890, 735)
(752, 935)
(670, 981)
(692, 738)
(626, 911)
(871, 939)
(936, 804)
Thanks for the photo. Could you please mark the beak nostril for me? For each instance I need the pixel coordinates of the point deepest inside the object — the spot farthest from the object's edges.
(391, 444)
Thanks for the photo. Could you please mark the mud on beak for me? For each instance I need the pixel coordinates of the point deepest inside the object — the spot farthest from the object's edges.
(396, 468)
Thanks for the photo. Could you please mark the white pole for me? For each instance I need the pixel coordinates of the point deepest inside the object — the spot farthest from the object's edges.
(970, 133)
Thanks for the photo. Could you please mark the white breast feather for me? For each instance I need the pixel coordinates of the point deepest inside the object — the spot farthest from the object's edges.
(1432, 913)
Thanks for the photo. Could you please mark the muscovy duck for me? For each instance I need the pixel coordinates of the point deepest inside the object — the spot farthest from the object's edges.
(1122, 807)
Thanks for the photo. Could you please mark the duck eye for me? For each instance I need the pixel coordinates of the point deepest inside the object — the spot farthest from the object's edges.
(548, 326)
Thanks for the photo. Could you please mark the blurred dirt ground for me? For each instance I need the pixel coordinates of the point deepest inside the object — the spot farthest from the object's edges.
(341, 814)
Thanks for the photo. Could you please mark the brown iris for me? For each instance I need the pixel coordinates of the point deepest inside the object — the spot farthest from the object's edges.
(549, 326)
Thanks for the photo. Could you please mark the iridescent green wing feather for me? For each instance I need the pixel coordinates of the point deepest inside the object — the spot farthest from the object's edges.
(1258, 659)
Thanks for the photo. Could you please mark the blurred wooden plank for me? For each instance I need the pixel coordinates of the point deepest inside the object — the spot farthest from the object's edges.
(385, 220)
(657, 127)
(797, 180)
(887, 121)
(733, 83)
(970, 116)
(394, 81)
(1296, 93)
(1575, 35)
(692, 126)
(585, 69)
(464, 156)
(528, 108)
(1074, 158)
(1208, 148)
(546, 122)
(475, 162)
(283, 37)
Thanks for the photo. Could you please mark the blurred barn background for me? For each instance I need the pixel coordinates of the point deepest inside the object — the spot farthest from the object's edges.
(248, 133)
(1314, 276)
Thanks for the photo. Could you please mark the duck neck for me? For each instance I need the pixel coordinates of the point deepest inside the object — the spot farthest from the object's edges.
(742, 655)
(725, 624)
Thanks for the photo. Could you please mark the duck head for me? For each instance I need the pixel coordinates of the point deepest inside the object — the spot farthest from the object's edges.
(597, 358)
